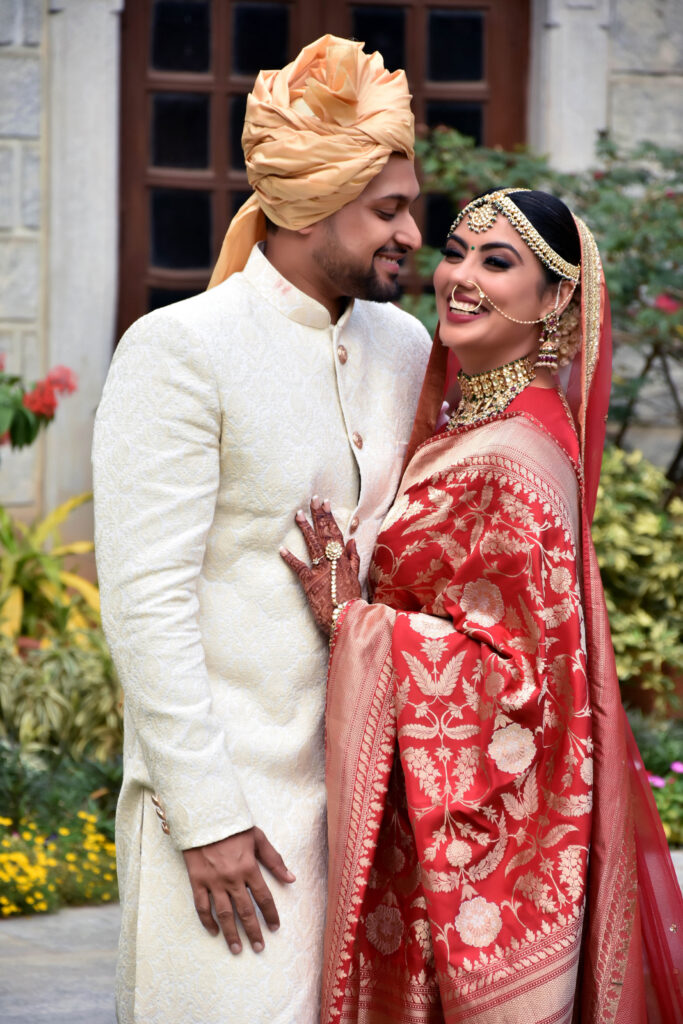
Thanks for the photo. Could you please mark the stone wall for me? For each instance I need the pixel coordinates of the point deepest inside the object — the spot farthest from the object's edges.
(645, 84)
(598, 65)
(22, 231)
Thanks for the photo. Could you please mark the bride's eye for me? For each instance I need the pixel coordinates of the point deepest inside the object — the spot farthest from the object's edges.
(450, 254)
(498, 262)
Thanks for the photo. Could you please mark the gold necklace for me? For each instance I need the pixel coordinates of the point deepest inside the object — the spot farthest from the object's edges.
(485, 394)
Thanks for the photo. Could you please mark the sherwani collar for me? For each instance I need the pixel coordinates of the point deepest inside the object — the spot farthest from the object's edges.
(277, 291)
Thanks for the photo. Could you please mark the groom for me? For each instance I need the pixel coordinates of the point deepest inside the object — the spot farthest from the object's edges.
(294, 375)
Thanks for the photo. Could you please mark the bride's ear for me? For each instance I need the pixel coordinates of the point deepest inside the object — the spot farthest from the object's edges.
(557, 297)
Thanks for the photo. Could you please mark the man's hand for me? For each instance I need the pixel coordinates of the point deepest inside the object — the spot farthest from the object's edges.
(227, 873)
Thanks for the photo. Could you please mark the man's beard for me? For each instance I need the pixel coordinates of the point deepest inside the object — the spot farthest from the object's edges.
(350, 278)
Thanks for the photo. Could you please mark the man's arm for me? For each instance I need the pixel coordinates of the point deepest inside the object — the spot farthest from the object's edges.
(156, 477)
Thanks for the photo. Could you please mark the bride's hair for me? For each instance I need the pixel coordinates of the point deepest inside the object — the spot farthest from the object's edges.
(554, 222)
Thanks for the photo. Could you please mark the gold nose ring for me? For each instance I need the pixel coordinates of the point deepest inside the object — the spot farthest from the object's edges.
(482, 295)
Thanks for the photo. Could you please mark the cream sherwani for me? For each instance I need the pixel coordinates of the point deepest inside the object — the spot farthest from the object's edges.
(221, 416)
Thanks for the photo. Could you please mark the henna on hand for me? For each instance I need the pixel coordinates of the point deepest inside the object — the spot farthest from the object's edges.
(316, 579)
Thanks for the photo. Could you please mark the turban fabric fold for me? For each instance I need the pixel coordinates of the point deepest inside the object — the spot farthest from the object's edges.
(315, 133)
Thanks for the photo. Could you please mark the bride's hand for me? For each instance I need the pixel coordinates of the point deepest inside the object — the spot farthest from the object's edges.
(316, 579)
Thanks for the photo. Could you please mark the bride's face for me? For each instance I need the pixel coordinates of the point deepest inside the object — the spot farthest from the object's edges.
(512, 278)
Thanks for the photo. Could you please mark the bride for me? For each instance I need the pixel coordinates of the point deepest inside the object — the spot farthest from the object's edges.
(494, 852)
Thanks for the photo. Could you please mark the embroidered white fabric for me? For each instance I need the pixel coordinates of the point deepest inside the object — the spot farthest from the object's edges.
(220, 417)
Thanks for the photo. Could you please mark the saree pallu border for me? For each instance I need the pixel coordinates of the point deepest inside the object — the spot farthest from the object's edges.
(361, 735)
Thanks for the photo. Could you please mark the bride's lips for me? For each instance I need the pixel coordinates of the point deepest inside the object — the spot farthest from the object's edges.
(463, 309)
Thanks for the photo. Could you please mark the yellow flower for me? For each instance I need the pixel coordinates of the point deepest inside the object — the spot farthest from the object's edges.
(26, 836)
(106, 896)
(71, 857)
(41, 906)
(6, 821)
(63, 831)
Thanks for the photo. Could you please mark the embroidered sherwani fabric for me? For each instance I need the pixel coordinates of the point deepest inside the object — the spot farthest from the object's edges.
(221, 416)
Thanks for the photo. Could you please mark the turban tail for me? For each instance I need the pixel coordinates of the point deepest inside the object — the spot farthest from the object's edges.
(315, 134)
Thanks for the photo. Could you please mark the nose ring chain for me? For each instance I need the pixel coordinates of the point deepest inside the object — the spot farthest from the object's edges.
(483, 295)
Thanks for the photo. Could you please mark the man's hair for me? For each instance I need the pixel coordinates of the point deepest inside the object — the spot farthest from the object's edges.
(271, 227)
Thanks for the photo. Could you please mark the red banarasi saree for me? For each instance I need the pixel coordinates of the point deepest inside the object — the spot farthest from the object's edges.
(460, 740)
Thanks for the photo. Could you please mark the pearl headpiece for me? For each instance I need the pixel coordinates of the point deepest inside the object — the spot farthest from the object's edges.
(481, 215)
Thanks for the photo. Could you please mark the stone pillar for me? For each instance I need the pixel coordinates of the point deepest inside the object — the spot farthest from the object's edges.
(22, 223)
(83, 115)
(568, 81)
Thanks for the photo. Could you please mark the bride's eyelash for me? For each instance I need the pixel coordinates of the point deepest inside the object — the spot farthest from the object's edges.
(495, 261)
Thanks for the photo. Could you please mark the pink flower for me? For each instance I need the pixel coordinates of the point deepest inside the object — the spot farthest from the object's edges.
(666, 303)
(62, 379)
(2, 361)
(656, 781)
(42, 400)
(677, 766)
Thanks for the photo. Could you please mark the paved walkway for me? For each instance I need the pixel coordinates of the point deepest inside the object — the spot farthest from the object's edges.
(59, 968)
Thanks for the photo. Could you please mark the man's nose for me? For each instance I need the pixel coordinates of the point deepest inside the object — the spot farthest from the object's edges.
(408, 234)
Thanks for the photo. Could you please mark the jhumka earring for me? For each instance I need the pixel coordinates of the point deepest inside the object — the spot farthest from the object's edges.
(547, 353)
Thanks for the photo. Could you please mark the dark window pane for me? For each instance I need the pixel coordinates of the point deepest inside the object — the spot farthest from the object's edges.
(238, 199)
(439, 216)
(467, 118)
(180, 35)
(260, 37)
(180, 130)
(383, 29)
(181, 228)
(158, 297)
(237, 108)
(455, 47)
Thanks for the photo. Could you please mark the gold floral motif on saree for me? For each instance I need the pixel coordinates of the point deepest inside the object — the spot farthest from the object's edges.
(466, 894)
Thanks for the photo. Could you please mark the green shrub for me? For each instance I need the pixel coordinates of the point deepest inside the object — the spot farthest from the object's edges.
(660, 742)
(639, 545)
(56, 830)
(63, 697)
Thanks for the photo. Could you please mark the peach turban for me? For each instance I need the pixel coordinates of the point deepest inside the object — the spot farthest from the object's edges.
(315, 134)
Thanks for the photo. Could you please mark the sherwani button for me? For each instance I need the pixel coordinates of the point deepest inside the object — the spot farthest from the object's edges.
(357, 439)
(342, 354)
(354, 524)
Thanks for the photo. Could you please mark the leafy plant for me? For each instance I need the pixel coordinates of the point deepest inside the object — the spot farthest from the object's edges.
(38, 596)
(660, 742)
(639, 545)
(50, 787)
(64, 697)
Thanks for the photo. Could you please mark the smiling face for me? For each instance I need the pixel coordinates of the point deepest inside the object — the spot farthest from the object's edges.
(512, 278)
(357, 252)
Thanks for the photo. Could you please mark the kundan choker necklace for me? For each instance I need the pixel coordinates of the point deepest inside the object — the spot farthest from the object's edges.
(485, 394)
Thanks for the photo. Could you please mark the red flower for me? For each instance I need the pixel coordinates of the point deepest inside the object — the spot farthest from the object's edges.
(62, 379)
(2, 361)
(598, 175)
(4, 438)
(666, 303)
(42, 400)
